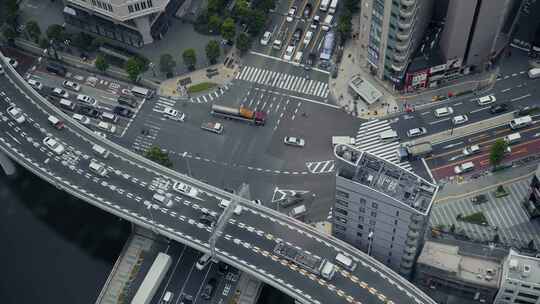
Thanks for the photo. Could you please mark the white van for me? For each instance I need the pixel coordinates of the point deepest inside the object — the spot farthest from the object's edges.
(465, 167)
(520, 122)
(328, 270)
(224, 203)
(168, 297)
(99, 150)
(110, 117)
(298, 56)
(162, 199)
(298, 211)
(98, 168)
(105, 126)
(203, 261)
(345, 262)
(444, 111)
(482, 101)
(277, 44)
(67, 104)
(534, 73)
(512, 138)
(141, 92)
(327, 23)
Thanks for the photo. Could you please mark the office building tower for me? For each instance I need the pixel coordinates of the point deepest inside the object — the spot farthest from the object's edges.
(381, 208)
(134, 22)
(520, 282)
(390, 33)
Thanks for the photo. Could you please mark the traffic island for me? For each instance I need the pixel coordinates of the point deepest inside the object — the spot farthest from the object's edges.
(201, 87)
(477, 218)
(501, 192)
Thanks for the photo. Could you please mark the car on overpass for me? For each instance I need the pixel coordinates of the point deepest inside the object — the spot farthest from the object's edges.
(291, 13)
(54, 145)
(71, 85)
(16, 113)
(185, 189)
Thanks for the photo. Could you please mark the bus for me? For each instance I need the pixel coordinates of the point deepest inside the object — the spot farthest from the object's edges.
(141, 92)
(153, 279)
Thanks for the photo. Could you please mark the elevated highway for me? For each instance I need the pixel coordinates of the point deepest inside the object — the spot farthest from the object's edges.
(247, 240)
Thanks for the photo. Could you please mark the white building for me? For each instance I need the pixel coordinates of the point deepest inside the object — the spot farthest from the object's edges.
(134, 22)
(520, 282)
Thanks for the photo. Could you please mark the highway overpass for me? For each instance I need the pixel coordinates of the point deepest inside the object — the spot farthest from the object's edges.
(247, 240)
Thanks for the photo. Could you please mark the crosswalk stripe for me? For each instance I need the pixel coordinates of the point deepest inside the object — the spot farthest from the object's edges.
(372, 124)
(261, 78)
(278, 76)
(295, 83)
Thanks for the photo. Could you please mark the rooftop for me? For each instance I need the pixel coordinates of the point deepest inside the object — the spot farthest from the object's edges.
(474, 269)
(386, 177)
(366, 90)
(523, 268)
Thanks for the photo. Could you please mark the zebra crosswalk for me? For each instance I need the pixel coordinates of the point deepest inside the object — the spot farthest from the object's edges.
(284, 81)
(368, 140)
(321, 167)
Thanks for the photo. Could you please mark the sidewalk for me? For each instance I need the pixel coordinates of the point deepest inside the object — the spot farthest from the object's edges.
(353, 63)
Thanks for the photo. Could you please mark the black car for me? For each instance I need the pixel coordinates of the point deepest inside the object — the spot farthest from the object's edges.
(186, 299)
(129, 101)
(89, 111)
(307, 11)
(527, 110)
(207, 219)
(208, 289)
(222, 268)
(500, 108)
(121, 111)
(297, 35)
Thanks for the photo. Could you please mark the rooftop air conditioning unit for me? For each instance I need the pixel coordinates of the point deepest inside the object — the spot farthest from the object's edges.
(526, 271)
(513, 264)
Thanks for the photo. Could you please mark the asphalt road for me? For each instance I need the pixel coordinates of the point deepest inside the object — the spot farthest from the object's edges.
(130, 184)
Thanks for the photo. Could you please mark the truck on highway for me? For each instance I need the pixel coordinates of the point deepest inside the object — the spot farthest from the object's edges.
(309, 262)
(214, 127)
(153, 279)
(333, 7)
(324, 5)
(257, 118)
(415, 151)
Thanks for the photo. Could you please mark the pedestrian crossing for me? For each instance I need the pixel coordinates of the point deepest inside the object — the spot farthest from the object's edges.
(368, 140)
(206, 98)
(284, 81)
(321, 167)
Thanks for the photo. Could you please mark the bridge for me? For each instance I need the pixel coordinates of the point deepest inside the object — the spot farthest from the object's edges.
(245, 241)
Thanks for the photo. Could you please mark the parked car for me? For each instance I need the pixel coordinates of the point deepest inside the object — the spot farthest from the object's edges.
(89, 111)
(416, 132)
(482, 101)
(288, 52)
(87, 99)
(14, 63)
(54, 145)
(297, 35)
(307, 11)
(81, 118)
(121, 111)
(479, 199)
(315, 22)
(208, 289)
(185, 189)
(173, 114)
(294, 141)
(35, 84)
(470, 150)
(16, 113)
(460, 119)
(207, 219)
(500, 108)
(266, 38)
(71, 85)
(291, 13)
(60, 93)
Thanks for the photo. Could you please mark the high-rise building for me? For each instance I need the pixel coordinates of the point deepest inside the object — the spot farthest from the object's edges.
(532, 201)
(475, 31)
(390, 33)
(381, 208)
(134, 22)
(520, 282)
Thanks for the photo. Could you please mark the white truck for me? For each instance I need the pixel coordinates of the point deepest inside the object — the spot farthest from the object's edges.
(324, 5)
(333, 7)
(342, 140)
(309, 262)
(534, 73)
(214, 127)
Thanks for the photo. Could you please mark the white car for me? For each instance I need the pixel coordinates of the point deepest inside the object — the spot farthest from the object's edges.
(288, 52)
(87, 99)
(14, 63)
(266, 38)
(71, 85)
(105, 126)
(173, 114)
(185, 189)
(82, 119)
(416, 132)
(54, 145)
(16, 114)
(35, 84)
(294, 141)
(290, 15)
(482, 101)
(307, 37)
(460, 119)
(101, 134)
(60, 93)
(470, 150)
(315, 23)
(444, 111)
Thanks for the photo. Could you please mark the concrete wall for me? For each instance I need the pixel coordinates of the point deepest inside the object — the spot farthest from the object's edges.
(457, 28)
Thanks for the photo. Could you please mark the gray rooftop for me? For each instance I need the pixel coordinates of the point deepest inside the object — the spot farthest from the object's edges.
(386, 177)
(522, 268)
(474, 269)
(365, 89)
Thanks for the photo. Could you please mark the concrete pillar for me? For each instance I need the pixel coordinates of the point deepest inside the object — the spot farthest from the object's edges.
(7, 165)
(143, 25)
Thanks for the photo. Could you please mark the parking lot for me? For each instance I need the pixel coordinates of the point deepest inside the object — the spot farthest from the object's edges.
(298, 30)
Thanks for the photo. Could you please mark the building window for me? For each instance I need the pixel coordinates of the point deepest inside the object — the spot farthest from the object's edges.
(395, 222)
(526, 295)
(342, 203)
(397, 213)
(373, 213)
(360, 226)
(359, 234)
(149, 2)
(362, 210)
(374, 205)
(137, 7)
(339, 227)
(371, 223)
(394, 231)
(130, 8)
(110, 7)
(342, 220)
(342, 194)
(362, 202)
(341, 211)
(361, 219)
(143, 5)
(390, 253)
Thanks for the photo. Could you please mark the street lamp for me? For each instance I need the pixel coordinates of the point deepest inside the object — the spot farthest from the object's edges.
(151, 65)
(370, 244)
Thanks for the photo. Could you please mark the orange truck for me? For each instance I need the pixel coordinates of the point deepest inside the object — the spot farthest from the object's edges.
(257, 118)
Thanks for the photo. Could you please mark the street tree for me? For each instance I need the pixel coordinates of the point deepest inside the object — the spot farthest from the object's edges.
(44, 43)
(55, 32)
(134, 67)
(256, 21)
(213, 51)
(214, 24)
(496, 154)
(101, 63)
(228, 29)
(344, 26)
(11, 9)
(242, 42)
(190, 58)
(83, 41)
(167, 64)
(241, 10)
(33, 30)
(159, 156)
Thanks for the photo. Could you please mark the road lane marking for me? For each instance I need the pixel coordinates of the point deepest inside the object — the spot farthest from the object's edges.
(519, 98)
(478, 110)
